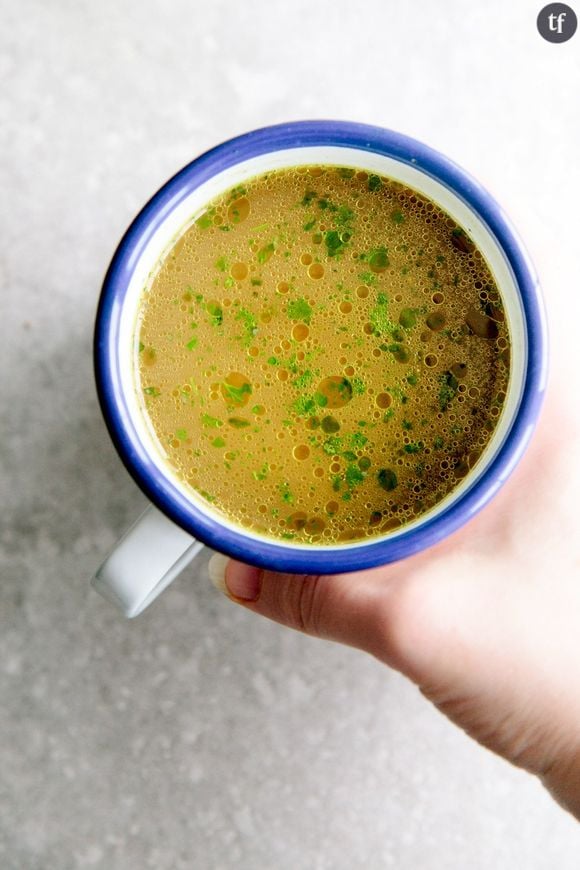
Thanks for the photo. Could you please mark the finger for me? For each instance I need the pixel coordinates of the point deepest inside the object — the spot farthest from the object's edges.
(354, 609)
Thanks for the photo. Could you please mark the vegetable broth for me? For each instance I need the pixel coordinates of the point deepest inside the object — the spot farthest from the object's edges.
(322, 354)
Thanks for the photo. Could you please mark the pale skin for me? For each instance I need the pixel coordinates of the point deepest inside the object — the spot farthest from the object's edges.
(487, 623)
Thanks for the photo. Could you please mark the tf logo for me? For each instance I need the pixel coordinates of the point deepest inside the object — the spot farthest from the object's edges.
(557, 22)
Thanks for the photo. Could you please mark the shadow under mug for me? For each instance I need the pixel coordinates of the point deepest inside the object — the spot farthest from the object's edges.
(178, 523)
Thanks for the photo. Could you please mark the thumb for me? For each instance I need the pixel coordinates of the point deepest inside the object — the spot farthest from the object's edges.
(353, 609)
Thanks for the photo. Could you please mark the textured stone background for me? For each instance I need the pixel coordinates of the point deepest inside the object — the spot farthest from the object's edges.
(198, 736)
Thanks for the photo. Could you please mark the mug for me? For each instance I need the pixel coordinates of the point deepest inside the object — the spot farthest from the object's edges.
(177, 524)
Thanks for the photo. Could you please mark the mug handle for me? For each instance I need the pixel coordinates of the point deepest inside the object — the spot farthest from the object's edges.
(144, 562)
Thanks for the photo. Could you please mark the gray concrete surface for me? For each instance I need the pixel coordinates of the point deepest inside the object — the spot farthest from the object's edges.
(198, 736)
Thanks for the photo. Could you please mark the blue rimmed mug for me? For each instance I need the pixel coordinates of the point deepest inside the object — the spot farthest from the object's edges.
(178, 523)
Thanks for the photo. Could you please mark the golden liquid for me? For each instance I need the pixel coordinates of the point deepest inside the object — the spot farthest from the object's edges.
(323, 354)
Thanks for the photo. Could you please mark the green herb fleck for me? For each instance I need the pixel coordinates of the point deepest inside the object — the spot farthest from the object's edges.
(309, 225)
(308, 197)
(329, 424)
(262, 473)
(210, 422)
(215, 312)
(152, 391)
(218, 442)
(448, 387)
(284, 490)
(387, 479)
(334, 243)
(238, 422)
(181, 434)
(222, 264)
(374, 182)
(303, 406)
(304, 380)
(408, 318)
(354, 475)
(397, 217)
(236, 395)
(299, 309)
(265, 253)
(250, 324)
(415, 447)
(333, 445)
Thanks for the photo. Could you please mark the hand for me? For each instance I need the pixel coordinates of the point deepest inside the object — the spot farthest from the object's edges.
(486, 623)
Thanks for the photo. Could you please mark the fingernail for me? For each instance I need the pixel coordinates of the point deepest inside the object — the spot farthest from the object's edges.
(216, 568)
(243, 581)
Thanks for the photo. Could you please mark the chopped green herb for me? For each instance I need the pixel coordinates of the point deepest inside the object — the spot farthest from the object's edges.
(262, 473)
(374, 182)
(218, 442)
(387, 479)
(379, 316)
(192, 343)
(354, 475)
(303, 406)
(238, 422)
(206, 220)
(415, 447)
(304, 380)
(152, 391)
(250, 324)
(334, 243)
(266, 252)
(181, 434)
(299, 309)
(308, 197)
(211, 422)
(284, 490)
(378, 260)
(215, 312)
(333, 445)
(236, 395)
(222, 264)
(309, 225)
(358, 386)
(256, 282)
(438, 442)
(408, 318)
(448, 387)
(398, 217)
(141, 347)
(388, 415)
(329, 424)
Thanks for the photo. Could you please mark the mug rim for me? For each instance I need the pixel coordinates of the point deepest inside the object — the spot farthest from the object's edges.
(270, 553)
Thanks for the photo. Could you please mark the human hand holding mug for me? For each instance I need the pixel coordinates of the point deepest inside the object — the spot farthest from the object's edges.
(485, 623)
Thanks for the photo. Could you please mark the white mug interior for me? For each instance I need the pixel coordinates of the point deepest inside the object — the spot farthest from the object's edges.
(180, 218)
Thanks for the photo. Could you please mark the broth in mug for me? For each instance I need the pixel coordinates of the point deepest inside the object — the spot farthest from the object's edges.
(322, 354)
